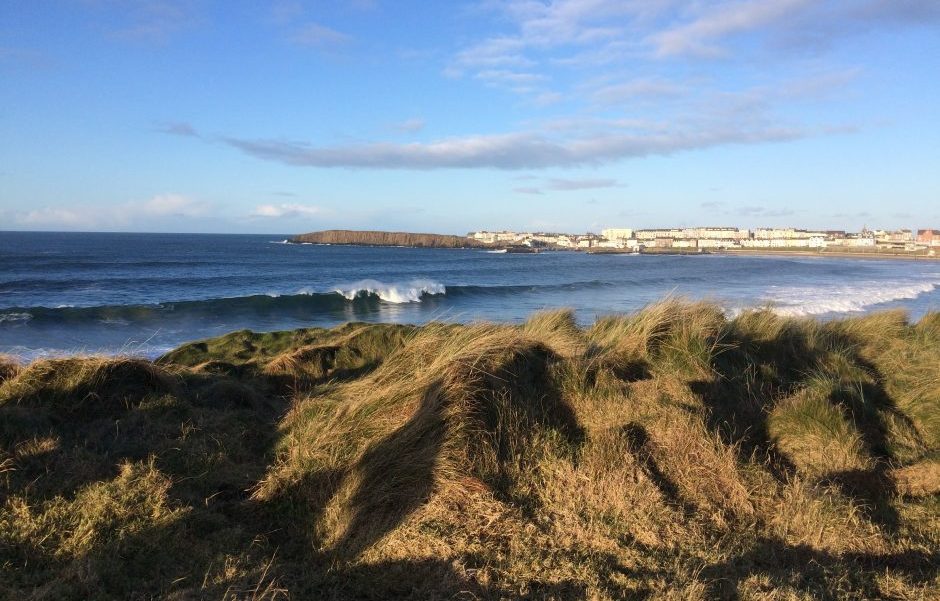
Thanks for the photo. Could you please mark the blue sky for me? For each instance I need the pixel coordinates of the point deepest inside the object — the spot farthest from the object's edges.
(573, 115)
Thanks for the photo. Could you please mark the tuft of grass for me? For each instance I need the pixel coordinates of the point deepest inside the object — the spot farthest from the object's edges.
(86, 386)
(815, 434)
(9, 368)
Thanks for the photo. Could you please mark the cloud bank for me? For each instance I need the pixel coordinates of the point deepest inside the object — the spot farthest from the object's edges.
(512, 151)
(159, 207)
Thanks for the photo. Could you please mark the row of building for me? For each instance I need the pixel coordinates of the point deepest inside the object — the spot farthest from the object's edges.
(692, 238)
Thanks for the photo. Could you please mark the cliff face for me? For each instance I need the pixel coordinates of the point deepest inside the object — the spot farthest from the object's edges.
(372, 238)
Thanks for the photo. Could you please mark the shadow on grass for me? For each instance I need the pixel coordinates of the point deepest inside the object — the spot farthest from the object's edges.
(752, 375)
(812, 572)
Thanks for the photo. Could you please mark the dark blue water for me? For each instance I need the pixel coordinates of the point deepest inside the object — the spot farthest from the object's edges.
(146, 293)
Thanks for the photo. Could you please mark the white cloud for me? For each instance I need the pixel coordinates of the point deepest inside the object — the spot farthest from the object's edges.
(165, 205)
(92, 216)
(54, 216)
(650, 50)
(621, 92)
(520, 150)
(279, 211)
(697, 37)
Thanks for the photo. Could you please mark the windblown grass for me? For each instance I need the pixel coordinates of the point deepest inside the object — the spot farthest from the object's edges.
(671, 453)
(9, 367)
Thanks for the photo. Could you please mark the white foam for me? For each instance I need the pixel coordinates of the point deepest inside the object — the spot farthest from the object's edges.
(114, 321)
(850, 298)
(409, 292)
(14, 317)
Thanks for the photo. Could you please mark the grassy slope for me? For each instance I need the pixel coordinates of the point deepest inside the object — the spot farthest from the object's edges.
(670, 453)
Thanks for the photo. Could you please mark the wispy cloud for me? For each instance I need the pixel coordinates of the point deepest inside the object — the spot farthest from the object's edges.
(648, 87)
(55, 217)
(409, 126)
(517, 150)
(634, 107)
(152, 21)
(140, 213)
(721, 207)
(699, 36)
(177, 128)
(163, 205)
(282, 12)
(315, 35)
(565, 185)
(581, 184)
(758, 211)
(713, 204)
(285, 210)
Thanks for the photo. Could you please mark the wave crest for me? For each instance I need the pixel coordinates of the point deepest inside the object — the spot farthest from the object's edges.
(799, 300)
(408, 292)
(15, 317)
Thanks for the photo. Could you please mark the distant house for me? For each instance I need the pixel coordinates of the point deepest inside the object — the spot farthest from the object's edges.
(718, 243)
(617, 233)
(928, 237)
(717, 233)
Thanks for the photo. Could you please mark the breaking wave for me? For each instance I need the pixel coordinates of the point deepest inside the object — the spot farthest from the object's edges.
(350, 301)
(805, 300)
(366, 294)
(410, 292)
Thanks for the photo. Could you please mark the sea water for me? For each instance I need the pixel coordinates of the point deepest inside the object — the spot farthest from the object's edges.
(144, 294)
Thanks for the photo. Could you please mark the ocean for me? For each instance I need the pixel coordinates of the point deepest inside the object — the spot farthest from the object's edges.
(144, 294)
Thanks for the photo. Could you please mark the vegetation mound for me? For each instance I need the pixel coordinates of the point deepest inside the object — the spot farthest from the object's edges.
(671, 453)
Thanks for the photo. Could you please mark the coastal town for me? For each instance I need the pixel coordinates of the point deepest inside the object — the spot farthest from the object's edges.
(923, 242)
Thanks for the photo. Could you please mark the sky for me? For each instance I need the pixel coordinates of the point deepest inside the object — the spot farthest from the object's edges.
(568, 115)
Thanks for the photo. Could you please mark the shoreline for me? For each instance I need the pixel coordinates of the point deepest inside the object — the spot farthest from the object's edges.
(827, 255)
(756, 252)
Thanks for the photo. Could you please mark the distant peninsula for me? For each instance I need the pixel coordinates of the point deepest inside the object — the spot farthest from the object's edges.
(376, 238)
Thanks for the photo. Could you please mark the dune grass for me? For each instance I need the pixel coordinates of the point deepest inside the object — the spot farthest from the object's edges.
(669, 453)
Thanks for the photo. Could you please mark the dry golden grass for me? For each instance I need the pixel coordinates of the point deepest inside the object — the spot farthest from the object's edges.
(672, 453)
(9, 368)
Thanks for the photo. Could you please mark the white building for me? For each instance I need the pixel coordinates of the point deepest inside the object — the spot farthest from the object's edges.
(658, 233)
(617, 233)
(716, 233)
(718, 243)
